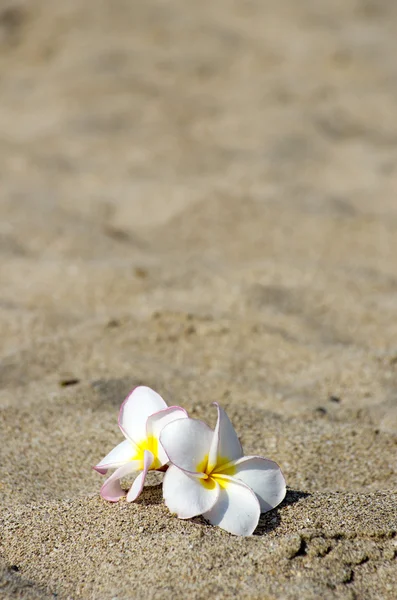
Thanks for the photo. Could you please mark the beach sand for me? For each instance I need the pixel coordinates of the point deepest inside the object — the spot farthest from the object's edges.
(200, 197)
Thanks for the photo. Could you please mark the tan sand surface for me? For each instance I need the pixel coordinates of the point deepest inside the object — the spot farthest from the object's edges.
(200, 196)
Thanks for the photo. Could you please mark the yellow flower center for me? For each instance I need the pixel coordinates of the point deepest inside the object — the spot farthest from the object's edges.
(152, 444)
(211, 474)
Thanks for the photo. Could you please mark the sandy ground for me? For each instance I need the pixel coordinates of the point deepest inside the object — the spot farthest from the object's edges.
(200, 197)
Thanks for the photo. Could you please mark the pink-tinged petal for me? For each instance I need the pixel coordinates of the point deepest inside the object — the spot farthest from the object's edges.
(157, 422)
(263, 476)
(121, 454)
(135, 410)
(137, 486)
(186, 443)
(237, 509)
(225, 445)
(111, 489)
(187, 495)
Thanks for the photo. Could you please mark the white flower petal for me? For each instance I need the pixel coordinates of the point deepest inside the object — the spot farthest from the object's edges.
(225, 445)
(137, 486)
(187, 495)
(111, 489)
(135, 410)
(263, 476)
(122, 453)
(157, 422)
(237, 509)
(187, 443)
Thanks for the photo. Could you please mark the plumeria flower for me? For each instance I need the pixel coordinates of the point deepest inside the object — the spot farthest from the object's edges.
(210, 476)
(142, 416)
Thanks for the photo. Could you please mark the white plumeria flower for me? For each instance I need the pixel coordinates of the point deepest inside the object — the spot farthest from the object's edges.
(142, 416)
(209, 476)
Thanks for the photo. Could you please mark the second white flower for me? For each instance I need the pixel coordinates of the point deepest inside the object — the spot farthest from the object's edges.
(210, 476)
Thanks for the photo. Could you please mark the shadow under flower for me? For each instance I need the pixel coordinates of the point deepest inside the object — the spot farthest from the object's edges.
(270, 520)
(151, 495)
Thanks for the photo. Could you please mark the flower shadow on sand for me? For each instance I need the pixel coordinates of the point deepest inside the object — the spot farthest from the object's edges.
(152, 495)
(271, 520)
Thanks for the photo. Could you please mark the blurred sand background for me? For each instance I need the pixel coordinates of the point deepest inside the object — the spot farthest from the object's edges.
(200, 196)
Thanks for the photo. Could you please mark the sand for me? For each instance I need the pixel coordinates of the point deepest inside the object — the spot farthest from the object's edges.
(199, 197)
